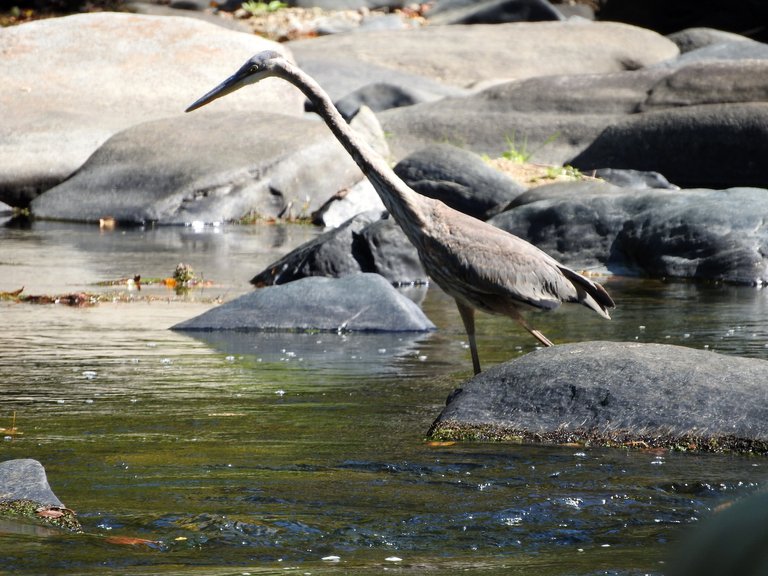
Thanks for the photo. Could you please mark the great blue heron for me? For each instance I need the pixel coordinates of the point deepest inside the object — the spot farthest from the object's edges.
(482, 267)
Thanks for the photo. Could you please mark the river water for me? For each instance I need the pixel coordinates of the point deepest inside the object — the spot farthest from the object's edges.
(273, 454)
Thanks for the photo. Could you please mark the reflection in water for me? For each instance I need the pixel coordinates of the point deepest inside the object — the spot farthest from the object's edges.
(341, 353)
(265, 453)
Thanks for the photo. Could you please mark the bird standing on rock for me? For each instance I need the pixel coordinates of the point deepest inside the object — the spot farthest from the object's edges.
(482, 267)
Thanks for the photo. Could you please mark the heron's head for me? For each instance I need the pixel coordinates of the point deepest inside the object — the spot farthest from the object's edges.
(258, 67)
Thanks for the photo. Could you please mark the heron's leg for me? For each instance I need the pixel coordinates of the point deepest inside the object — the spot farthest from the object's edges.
(468, 317)
(515, 313)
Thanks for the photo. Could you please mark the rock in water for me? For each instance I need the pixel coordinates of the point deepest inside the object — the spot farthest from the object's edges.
(359, 303)
(25, 479)
(615, 393)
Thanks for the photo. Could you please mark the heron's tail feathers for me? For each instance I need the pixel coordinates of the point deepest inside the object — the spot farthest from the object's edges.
(591, 294)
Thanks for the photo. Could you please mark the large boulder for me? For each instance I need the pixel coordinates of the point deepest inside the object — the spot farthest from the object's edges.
(465, 55)
(615, 393)
(668, 16)
(210, 166)
(715, 145)
(548, 118)
(699, 233)
(70, 83)
(492, 11)
(459, 178)
(355, 303)
(365, 243)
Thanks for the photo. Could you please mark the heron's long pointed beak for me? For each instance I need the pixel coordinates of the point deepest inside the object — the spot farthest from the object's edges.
(237, 80)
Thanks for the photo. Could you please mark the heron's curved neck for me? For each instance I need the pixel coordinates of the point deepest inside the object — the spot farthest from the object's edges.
(402, 202)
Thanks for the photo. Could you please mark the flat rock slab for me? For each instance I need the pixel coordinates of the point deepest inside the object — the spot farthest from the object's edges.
(208, 167)
(356, 303)
(464, 55)
(70, 83)
(25, 479)
(615, 393)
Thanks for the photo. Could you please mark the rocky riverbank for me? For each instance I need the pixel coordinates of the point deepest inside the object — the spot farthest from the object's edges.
(662, 137)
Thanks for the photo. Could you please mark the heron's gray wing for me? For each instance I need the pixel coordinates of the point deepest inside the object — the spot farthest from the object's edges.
(492, 264)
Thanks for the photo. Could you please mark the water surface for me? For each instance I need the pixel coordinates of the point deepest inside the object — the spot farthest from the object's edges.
(264, 454)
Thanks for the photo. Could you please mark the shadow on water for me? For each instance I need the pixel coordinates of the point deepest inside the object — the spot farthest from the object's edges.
(266, 453)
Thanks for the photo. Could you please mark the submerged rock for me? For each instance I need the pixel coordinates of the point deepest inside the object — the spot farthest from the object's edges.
(26, 495)
(613, 393)
(25, 479)
(357, 303)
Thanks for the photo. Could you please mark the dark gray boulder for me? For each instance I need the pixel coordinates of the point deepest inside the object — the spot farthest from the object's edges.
(352, 82)
(459, 178)
(356, 303)
(209, 167)
(25, 479)
(549, 118)
(615, 393)
(379, 96)
(711, 82)
(365, 243)
(346, 4)
(667, 16)
(70, 83)
(731, 539)
(715, 145)
(694, 38)
(492, 11)
(702, 234)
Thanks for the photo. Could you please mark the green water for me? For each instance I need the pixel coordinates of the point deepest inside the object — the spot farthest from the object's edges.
(267, 453)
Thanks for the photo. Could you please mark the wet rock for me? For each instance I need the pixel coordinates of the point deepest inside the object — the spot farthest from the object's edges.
(70, 83)
(613, 393)
(695, 233)
(365, 243)
(732, 540)
(209, 167)
(459, 178)
(492, 12)
(692, 146)
(357, 303)
(25, 479)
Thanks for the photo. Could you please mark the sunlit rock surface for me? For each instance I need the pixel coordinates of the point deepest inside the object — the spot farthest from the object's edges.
(356, 303)
(70, 83)
(615, 393)
(206, 167)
